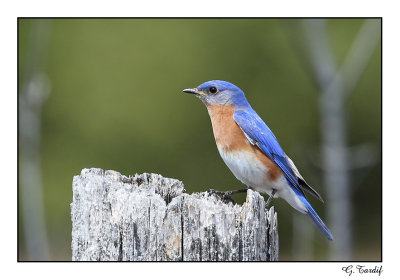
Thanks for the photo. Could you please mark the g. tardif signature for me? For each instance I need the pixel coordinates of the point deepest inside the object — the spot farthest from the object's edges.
(362, 269)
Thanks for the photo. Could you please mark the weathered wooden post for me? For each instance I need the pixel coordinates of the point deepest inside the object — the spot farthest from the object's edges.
(150, 218)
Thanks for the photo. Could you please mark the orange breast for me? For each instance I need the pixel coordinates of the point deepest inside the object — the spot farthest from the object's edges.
(227, 133)
(230, 138)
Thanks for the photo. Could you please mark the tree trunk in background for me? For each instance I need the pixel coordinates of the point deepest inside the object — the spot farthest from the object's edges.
(34, 90)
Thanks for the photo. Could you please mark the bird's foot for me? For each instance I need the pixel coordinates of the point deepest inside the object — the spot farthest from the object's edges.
(212, 191)
(226, 196)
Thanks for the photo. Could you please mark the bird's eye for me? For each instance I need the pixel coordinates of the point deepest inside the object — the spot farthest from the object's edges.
(213, 89)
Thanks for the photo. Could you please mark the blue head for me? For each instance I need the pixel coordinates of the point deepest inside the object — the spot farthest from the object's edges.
(219, 93)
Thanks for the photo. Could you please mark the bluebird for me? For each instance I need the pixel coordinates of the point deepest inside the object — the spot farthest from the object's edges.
(251, 151)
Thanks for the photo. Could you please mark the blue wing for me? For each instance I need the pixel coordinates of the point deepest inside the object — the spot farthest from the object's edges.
(260, 134)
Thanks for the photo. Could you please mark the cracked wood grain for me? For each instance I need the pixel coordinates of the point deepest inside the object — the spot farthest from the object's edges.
(148, 217)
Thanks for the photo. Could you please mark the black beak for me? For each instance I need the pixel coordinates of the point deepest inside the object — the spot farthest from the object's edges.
(191, 90)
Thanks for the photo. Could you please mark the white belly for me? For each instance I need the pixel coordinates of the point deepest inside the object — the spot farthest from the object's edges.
(246, 169)
(251, 172)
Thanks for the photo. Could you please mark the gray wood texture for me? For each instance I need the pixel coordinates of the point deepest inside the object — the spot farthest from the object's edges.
(148, 217)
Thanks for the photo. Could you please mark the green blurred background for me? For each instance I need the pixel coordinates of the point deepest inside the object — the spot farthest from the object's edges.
(115, 102)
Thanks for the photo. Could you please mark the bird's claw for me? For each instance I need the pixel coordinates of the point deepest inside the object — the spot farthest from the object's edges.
(211, 191)
(225, 196)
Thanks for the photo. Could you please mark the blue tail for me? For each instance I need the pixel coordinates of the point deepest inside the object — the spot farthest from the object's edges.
(314, 216)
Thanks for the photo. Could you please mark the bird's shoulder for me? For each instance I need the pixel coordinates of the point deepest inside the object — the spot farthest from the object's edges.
(258, 132)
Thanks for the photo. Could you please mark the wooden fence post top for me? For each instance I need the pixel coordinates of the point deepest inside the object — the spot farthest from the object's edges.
(148, 217)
